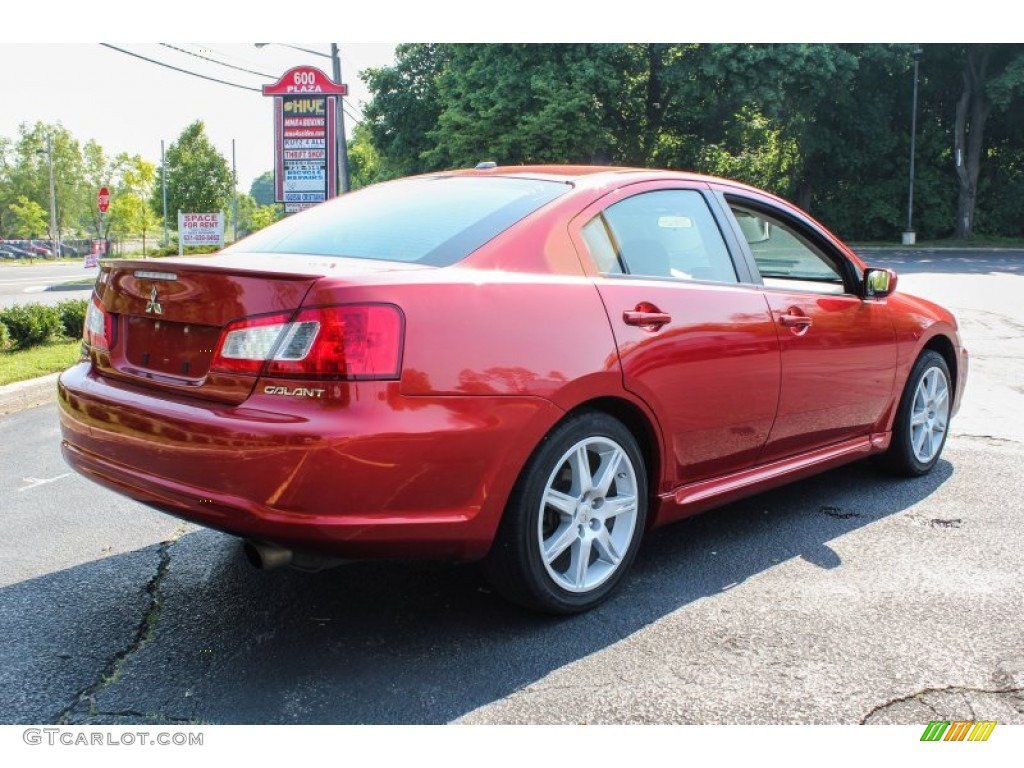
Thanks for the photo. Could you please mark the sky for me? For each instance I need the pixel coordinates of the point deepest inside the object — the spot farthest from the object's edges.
(130, 105)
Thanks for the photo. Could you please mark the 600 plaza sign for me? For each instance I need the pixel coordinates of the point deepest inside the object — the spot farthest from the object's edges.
(305, 137)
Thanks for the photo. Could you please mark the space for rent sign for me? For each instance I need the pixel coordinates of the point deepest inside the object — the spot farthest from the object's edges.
(200, 229)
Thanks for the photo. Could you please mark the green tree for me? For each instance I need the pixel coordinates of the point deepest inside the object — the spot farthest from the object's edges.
(264, 216)
(364, 164)
(826, 125)
(7, 191)
(519, 103)
(129, 180)
(262, 189)
(129, 216)
(199, 179)
(28, 171)
(405, 107)
(28, 218)
(991, 79)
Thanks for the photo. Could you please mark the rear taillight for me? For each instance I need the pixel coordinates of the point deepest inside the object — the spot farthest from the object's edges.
(247, 344)
(98, 330)
(358, 341)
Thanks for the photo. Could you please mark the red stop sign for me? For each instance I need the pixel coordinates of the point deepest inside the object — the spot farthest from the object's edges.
(103, 201)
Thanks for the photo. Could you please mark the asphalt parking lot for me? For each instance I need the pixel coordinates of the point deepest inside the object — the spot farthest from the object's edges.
(847, 598)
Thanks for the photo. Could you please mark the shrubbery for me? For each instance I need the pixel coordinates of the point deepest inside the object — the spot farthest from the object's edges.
(72, 317)
(172, 250)
(29, 325)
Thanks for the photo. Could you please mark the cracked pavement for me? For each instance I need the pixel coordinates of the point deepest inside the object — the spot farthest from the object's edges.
(847, 598)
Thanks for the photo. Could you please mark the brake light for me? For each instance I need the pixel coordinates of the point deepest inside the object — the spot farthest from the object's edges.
(358, 341)
(98, 329)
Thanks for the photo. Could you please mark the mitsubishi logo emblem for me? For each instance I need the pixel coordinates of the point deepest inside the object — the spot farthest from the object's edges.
(154, 305)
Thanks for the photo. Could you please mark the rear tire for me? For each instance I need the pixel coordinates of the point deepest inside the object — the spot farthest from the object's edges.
(574, 520)
(922, 419)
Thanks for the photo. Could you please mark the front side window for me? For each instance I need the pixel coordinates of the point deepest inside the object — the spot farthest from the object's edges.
(668, 234)
(436, 220)
(784, 257)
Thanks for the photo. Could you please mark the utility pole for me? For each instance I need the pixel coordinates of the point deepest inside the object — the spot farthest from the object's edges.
(342, 143)
(54, 235)
(234, 194)
(163, 178)
(909, 236)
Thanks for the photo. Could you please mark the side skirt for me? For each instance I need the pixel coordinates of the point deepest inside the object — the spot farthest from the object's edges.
(697, 497)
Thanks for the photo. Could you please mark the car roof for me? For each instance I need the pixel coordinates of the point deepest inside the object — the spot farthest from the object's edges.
(593, 175)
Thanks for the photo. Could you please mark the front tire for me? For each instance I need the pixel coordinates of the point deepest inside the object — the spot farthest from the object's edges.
(574, 521)
(922, 419)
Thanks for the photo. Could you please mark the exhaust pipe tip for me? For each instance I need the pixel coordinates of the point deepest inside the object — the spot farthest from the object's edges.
(266, 556)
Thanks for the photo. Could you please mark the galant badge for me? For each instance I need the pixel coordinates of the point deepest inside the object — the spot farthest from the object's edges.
(154, 305)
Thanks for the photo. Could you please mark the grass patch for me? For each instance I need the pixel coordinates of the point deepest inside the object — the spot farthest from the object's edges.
(52, 357)
(40, 261)
(978, 241)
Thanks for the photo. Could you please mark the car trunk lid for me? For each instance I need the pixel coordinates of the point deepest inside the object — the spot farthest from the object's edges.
(168, 318)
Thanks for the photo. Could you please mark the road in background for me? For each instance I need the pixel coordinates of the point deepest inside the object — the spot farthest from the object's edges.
(28, 283)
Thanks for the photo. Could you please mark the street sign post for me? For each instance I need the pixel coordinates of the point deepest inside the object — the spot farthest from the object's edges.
(305, 137)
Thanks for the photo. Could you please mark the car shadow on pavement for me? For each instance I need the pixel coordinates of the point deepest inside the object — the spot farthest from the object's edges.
(198, 636)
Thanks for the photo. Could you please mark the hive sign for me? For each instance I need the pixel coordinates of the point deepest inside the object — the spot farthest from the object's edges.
(305, 137)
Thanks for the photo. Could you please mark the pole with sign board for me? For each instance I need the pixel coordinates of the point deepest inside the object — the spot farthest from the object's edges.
(306, 103)
(99, 247)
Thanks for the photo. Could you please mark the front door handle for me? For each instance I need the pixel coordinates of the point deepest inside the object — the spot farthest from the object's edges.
(794, 319)
(646, 319)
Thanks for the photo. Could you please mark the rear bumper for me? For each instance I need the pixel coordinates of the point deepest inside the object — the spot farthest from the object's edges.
(360, 472)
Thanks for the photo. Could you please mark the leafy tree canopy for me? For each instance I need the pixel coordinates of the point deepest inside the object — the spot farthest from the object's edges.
(199, 179)
(827, 125)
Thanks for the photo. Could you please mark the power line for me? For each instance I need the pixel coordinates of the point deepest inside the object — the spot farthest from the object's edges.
(360, 114)
(353, 117)
(221, 63)
(179, 69)
(213, 79)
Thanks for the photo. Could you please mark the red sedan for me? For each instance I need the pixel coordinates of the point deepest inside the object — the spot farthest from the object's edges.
(526, 366)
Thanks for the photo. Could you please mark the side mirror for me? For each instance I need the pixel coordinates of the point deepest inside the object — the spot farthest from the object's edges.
(878, 283)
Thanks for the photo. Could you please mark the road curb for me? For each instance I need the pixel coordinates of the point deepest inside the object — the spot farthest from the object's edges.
(27, 394)
(70, 287)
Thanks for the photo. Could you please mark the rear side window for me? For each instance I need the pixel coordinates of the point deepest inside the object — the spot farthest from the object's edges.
(435, 220)
(667, 233)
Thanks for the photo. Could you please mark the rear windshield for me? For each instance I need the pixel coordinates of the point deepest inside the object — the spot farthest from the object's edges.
(434, 220)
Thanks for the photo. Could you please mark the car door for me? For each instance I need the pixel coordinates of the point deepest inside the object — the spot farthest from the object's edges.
(695, 343)
(838, 348)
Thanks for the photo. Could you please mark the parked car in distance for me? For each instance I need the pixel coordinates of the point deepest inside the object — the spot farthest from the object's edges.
(11, 251)
(525, 366)
(39, 250)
